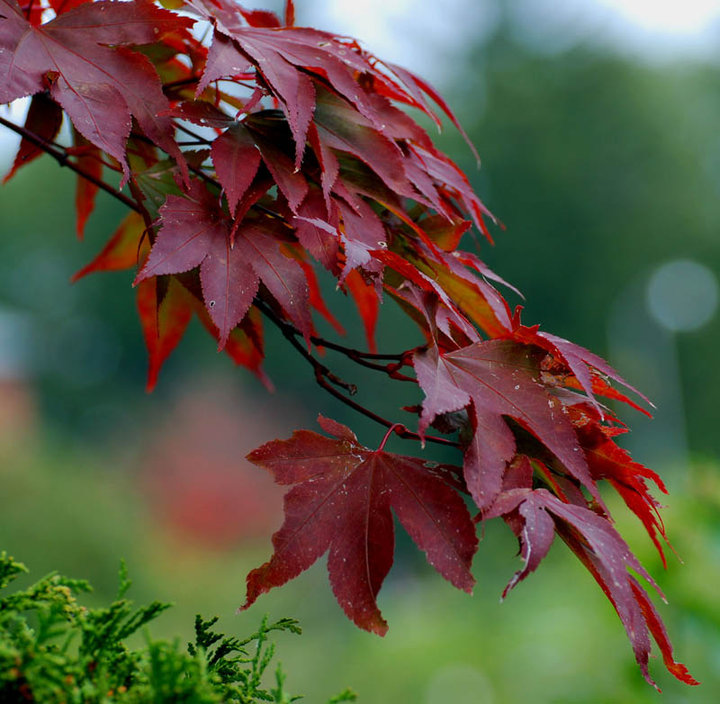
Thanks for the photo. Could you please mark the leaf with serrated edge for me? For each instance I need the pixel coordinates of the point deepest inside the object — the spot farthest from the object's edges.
(341, 501)
(99, 86)
(497, 377)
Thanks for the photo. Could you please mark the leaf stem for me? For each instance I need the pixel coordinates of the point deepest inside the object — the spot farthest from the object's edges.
(395, 427)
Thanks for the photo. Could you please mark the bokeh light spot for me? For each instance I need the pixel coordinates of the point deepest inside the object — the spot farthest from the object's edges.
(682, 295)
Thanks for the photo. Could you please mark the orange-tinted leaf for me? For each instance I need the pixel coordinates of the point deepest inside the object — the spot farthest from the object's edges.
(163, 321)
(122, 249)
(609, 461)
(581, 362)
(245, 344)
(89, 158)
(477, 299)
(316, 299)
(367, 302)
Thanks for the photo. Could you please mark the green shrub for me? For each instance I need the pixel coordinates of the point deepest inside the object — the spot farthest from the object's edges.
(54, 650)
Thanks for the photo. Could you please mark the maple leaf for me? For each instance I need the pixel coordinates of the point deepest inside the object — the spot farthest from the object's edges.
(319, 162)
(121, 251)
(342, 128)
(44, 119)
(341, 501)
(535, 516)
(607, 460)
(582, 363)
(89, 159)
(316, 228)
(245, 345)
(164, 316)
(195, 233)
(367, 304)
(236, 160)
(497, 378)
(82, 56)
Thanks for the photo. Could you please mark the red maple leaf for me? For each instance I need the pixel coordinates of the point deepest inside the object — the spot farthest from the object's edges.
(164, 316)
(497, 378)
(44, 119)
(342, 500)
(195, 233)
(535, 516)
(82, 57)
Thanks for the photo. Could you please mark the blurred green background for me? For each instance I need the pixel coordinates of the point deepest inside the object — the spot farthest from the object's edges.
(601, 156)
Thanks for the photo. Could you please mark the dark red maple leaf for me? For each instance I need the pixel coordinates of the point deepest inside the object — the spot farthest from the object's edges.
(342, 500)
(81, 56)
(493, 379)
(43, 119)
(323, 163)
(535, 516)
(195, 233)
(609, 461)
(236, 160)
(581, 363)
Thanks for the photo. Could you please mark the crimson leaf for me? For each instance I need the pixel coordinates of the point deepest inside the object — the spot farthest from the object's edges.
(341, 501)
(497, 378)
(82, 56)
(195, 233)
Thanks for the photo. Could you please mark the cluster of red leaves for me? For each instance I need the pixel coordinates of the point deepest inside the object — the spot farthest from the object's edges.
(297, 153)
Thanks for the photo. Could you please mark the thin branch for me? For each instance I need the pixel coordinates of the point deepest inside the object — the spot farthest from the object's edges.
(324, 377)
(362, 358)
(194, 135)
(353, 354)
(181, 82)
(64, 160)
(398, 361)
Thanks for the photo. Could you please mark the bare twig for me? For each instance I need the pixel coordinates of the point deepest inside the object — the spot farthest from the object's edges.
(63, 159)
(324, 377)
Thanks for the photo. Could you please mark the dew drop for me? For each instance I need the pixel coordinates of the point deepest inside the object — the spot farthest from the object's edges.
(517, 387)
(211, 304)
